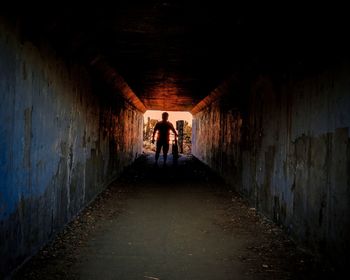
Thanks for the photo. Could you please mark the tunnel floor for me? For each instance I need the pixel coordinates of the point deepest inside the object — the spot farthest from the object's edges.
(174, 222)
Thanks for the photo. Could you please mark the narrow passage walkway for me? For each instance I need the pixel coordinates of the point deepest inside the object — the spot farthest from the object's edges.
(174, 222)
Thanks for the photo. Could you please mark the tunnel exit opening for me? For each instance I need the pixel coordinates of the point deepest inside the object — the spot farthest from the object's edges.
(182, 122)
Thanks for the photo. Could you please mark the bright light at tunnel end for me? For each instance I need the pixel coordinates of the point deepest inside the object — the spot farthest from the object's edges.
(173, 116)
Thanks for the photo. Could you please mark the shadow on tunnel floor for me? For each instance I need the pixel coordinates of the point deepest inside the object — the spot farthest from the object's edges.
(186, 169)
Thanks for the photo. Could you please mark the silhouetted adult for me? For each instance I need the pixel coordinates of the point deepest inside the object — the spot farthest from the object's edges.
(163, 127)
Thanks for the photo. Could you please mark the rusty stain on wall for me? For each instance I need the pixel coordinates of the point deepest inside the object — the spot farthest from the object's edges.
(27, 136)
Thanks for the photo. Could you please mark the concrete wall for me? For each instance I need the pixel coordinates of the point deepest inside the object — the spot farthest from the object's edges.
(216, 136)
(59, 144)
(288, 152)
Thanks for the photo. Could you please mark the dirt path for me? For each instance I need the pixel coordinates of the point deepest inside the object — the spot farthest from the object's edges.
(170, 223)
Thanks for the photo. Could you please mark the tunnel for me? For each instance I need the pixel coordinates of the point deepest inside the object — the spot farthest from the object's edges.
(268, 89)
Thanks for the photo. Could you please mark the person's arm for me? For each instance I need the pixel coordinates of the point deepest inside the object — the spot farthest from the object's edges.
(154, 132)
(173, 130)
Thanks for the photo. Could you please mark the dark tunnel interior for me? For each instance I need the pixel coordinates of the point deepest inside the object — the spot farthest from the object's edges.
(267, 85)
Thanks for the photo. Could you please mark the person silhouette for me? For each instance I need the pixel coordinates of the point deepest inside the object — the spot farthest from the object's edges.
(163, 137)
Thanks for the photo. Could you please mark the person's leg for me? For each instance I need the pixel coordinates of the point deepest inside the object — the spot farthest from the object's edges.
(165, 151)
(158, 147)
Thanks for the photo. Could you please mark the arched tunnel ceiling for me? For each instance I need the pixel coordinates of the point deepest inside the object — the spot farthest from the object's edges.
(172, 54)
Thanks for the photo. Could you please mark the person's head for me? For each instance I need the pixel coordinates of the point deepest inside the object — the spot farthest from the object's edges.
(165, 116)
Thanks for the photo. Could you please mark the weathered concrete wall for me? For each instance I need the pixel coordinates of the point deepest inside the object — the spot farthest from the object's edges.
(59, 145)
(288, 152)
(216, 136)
